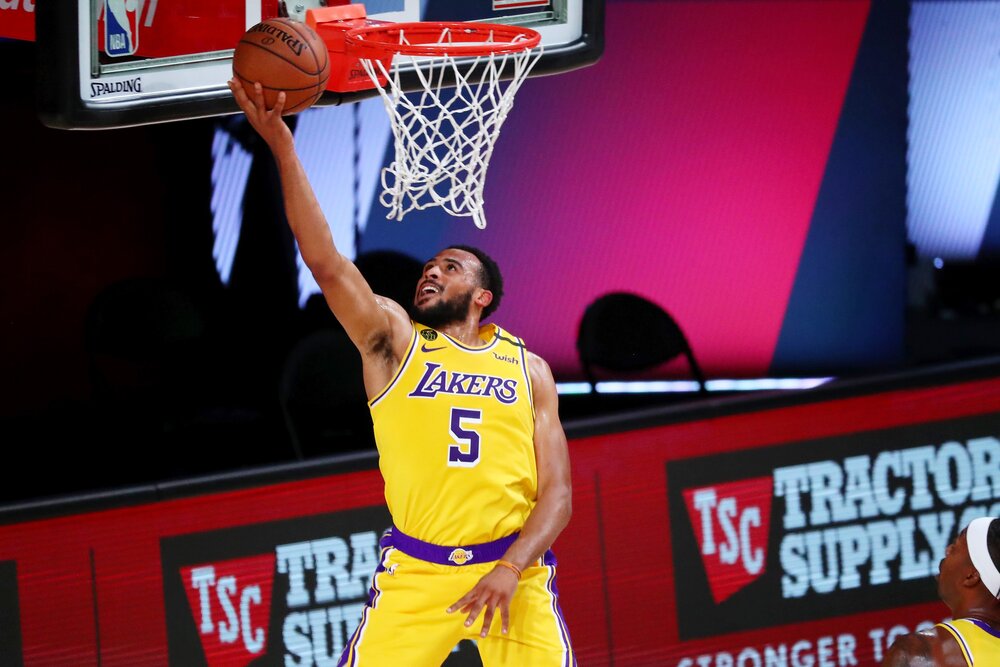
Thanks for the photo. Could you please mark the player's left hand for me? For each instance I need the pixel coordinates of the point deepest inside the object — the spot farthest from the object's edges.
(494, 591)
(267, 122)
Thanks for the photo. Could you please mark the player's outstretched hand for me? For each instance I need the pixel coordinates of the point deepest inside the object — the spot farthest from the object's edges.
(494, 591)
(267, 122)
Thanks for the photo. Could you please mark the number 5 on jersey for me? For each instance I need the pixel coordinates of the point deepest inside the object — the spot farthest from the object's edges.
(465, 454)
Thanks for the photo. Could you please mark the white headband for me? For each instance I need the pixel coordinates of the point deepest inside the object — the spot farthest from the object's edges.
(979, 552)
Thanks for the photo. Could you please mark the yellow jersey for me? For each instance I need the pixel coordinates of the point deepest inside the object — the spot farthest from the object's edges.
(455, 434)
(979, 642)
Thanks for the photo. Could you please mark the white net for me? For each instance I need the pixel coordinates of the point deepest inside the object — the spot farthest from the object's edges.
(444, 135)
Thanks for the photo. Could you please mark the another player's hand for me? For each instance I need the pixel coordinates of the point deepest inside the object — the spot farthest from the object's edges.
(267, 122)
(494, 591)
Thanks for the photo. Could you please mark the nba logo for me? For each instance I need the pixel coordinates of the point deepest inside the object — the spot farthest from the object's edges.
(121, 27)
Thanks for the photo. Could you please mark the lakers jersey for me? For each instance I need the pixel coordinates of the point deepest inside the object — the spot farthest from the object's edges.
(979, 642)
(455, 434)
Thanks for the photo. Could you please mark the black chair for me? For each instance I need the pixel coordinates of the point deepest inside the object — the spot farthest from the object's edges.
(627, 333)
(321, 389)
(141, 336)
(322, 396)
(158, 395)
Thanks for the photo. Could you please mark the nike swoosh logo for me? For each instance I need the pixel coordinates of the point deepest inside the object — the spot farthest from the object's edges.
(424, 348)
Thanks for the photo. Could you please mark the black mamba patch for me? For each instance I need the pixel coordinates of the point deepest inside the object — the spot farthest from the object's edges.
(835, 526)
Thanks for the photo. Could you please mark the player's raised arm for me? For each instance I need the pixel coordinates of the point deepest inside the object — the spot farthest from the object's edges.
(375, 324)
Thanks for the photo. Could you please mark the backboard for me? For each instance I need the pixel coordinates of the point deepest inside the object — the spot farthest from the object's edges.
(115, 63)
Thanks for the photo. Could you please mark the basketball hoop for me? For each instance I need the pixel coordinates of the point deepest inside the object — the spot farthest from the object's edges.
(443, 139)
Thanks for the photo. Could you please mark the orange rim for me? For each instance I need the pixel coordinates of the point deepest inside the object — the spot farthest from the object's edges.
(425, 38)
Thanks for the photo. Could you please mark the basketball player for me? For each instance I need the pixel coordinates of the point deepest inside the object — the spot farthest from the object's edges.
(969, 583)
(471, 450)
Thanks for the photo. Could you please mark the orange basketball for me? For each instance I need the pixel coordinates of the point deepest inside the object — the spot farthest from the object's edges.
(283, 55)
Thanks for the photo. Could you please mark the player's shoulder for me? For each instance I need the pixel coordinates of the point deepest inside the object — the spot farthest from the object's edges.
(933, 647)
(503, 335)
(392, 341)
(538, 368)
(915, 649)
(399, 320)
(393, 308)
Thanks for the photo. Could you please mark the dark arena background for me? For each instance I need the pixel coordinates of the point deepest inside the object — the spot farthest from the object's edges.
(807, 191)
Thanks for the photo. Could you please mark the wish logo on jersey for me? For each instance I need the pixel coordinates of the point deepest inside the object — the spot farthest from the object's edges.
(281, 593)
(859, 522)
(121, 27)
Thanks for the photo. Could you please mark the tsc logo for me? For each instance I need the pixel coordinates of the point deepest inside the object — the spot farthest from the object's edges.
(231, 602)
(731, 522)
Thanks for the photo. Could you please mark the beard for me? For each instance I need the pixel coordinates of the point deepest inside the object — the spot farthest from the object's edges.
(443, 312)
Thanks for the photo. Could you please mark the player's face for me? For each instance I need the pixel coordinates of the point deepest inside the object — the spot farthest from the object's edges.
(953, 567)
(446, 288)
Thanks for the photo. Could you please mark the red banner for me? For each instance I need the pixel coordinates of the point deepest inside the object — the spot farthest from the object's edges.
(803, 536)
(149, 30)
(17, 19)
(178, 28)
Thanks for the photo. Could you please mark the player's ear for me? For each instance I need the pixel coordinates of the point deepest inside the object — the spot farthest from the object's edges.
(484, 298)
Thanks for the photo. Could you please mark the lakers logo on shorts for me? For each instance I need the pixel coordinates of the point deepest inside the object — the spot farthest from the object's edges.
(460, 556)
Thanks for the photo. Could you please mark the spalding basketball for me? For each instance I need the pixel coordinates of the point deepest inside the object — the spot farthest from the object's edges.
(283, 55)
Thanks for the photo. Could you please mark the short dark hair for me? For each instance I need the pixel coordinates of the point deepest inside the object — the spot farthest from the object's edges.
(489, 276)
